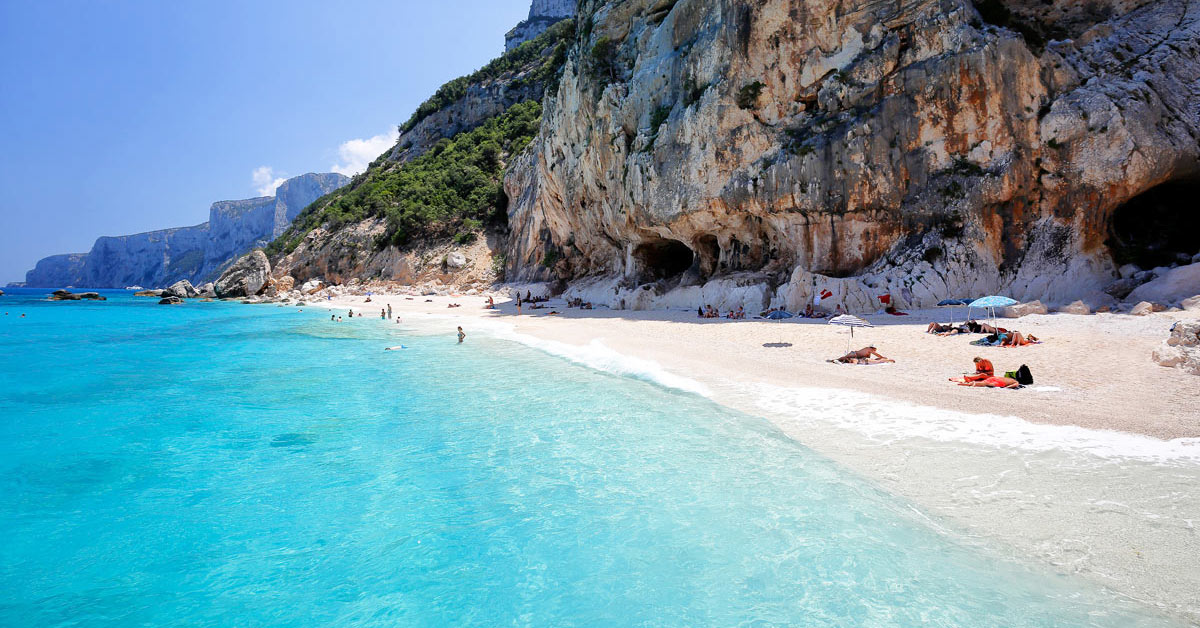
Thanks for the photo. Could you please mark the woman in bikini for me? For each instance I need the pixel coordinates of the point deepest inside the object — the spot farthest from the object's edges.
(993, 382)
(863, 356)
(983, 370)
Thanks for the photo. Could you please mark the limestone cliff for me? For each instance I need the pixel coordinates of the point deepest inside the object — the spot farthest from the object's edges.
(542, 15)
(159, 258)
(756, 151)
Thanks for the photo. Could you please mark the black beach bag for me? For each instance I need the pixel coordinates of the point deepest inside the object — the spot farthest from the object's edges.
(1024, 377)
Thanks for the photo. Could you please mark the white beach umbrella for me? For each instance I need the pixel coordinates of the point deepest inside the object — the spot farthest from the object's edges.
(851, 321)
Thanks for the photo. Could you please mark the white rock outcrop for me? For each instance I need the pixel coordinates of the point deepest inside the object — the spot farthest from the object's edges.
(182, 289)
(1170, 286)
(1182, 348)
(246, 278)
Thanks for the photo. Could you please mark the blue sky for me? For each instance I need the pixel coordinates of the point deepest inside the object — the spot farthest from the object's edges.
(119, 117)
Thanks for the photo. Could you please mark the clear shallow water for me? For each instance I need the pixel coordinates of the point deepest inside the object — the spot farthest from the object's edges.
(221, 464)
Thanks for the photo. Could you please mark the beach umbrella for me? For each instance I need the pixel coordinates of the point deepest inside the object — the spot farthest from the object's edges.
(953, 303)
(851, 321)
(779, 315)
(991, 303)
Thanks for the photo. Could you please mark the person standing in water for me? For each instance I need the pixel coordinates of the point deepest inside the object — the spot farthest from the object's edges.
(383, 313)
(461, 336)
(389, 315)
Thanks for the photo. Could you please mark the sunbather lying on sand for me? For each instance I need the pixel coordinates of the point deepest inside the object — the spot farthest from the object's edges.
(944, 330)
(1015, 339)
(993, 382)
(863, 356)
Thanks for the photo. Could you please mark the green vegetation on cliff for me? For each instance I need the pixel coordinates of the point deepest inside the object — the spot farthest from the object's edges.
(555, 39)
(451, 190)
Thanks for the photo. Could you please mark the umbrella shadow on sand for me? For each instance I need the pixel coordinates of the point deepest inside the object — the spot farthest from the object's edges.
(777, 345)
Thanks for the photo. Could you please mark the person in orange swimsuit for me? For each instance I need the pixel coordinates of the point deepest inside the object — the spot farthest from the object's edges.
(983, 370)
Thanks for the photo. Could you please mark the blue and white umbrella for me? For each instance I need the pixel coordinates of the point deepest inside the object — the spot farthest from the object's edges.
(779, 315)
(991, 303)
(851, 321)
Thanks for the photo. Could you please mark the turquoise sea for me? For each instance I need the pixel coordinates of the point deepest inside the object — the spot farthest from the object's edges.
(228, 465)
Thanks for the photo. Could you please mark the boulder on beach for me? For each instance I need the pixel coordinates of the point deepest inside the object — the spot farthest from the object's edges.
(1182, 348)
(182, 289)
(171, 300)
(247, 277)
(1146, 307)
(208, 291)
(1169, 285)
(285, 283)
(455, 260)
(1023, 309)
(1190, 303)
(311, 286)
(1078, 307)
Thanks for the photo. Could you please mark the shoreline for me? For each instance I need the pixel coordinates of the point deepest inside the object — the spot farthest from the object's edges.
(1087, 494)
(1092, 372)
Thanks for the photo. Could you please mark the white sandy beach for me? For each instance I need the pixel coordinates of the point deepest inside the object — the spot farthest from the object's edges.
(1091, 470)
(1091, 371)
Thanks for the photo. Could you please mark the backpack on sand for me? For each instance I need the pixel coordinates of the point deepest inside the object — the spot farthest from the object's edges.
(1024, 377)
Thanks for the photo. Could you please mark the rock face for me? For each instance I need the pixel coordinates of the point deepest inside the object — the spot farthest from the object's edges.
(542, 15)
(194, 253)
(247, 277)
(862, 147)
(171, 300)
(1182, 348)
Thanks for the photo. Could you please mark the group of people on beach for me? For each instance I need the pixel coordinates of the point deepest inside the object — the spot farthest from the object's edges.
(709, 311)
(996, 336)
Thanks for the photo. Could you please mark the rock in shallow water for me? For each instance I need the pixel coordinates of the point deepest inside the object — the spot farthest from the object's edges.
(247, 277)
(171, 300)
(66, 295)
(182, 289)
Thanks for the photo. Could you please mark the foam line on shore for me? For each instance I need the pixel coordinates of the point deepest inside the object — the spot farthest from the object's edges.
(596, 355)
(887, 420)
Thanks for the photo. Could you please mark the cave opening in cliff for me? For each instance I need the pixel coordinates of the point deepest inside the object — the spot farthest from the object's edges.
(708, 249)
(663, 259)
(1158, 227)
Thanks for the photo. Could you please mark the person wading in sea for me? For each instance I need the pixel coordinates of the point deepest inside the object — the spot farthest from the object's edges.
(461, 336)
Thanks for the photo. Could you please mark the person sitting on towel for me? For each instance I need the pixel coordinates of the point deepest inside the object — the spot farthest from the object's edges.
(983, 370)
